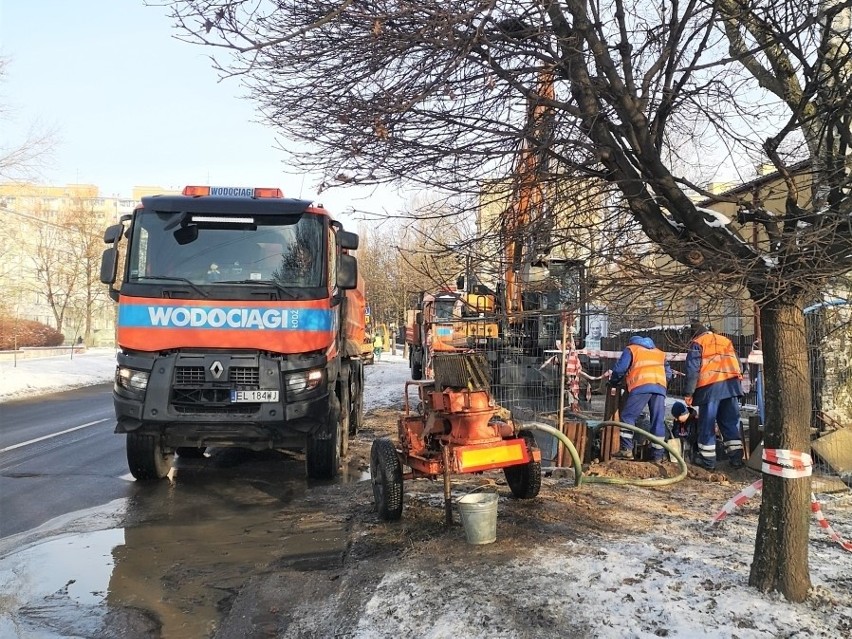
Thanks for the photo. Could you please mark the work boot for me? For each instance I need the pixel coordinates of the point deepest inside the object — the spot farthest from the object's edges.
(703, 463)
(624, 453)
(736, 462)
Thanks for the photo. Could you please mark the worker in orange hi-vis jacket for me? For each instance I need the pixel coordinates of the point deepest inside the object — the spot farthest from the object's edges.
(714, 385)
(644, 369)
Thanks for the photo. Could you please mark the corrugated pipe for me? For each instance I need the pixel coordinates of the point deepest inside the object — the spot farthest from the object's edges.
(578, 465)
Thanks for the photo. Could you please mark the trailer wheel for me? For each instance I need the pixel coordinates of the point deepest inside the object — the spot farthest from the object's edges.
(322, 452)
(356, 417)
(190, 452)
(386, 477)
(525, 479)
(146, 457)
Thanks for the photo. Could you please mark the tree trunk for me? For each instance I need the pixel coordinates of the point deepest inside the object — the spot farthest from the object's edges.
(781, 547)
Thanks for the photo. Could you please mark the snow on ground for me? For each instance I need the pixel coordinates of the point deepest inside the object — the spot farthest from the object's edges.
(680, 579)
(37, 376)
(384, 382)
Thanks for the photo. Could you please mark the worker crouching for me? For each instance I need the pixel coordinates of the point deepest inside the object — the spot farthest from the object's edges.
(644, 370)
(685, 428)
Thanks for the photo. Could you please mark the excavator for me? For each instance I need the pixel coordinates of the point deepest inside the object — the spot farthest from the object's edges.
(538, 293)
(468, 403)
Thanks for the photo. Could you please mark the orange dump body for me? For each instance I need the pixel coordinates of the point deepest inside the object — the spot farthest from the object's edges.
(356, 304)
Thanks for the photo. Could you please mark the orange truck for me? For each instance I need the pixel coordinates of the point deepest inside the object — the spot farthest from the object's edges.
(448, 321)
(240, 323)
(367, 355)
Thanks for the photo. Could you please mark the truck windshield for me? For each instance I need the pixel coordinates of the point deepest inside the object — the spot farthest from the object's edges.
(281, 250)
(444, 309)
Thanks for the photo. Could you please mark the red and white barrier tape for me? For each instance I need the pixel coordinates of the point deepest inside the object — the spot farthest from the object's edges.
(789, 464)
(738, 500)
(823, 523)
(750, 491)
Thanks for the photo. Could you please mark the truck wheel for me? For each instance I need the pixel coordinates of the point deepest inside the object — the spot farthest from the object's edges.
(356, 417)
(416, 367)
(322, 453)
(146, 458)
(386, 477)
(525, 479)
(345, 411)
(190, 452)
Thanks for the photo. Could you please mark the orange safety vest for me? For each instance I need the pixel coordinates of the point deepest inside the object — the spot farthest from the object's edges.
(648, 367)
(719, 361)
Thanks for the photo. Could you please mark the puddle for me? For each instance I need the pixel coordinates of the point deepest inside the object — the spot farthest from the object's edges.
(186, 548)
(46, 588)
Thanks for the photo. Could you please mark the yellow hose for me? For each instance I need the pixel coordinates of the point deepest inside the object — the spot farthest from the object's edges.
(578, 466)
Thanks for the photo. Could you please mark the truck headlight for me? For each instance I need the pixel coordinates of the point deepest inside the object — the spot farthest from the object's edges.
(304, 381)
(131, 379)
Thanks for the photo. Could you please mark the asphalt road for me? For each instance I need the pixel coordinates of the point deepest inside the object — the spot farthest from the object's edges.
(58, 454)
(168, 557)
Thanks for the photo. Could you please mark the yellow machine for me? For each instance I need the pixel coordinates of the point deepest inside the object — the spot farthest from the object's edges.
(448, 321)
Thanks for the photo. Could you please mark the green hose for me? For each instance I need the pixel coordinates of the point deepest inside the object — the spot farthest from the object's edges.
(578, 466)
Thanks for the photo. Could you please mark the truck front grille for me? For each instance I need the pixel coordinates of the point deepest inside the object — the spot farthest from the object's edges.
(192, 394)
(241, 376)
(189, 376)
(238, 376)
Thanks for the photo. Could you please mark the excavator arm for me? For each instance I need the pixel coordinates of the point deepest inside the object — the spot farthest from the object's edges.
(527, 209)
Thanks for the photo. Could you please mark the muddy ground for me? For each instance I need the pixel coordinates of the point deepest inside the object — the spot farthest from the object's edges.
(325, 595)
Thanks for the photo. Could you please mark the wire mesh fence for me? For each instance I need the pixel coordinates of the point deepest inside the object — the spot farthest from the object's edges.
(527, 376)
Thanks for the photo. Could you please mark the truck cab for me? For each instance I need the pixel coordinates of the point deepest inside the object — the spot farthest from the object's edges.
(238, 318)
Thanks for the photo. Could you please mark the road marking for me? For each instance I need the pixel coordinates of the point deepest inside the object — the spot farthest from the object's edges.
(62, 432)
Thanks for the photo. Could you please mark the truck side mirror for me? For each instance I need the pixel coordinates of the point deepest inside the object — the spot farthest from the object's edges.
(113, 233)
(109, 265)
(347, 240)
(347, 271)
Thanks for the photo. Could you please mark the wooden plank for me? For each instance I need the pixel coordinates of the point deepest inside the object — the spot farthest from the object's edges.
(753, 434)
(610, 435)
(578, 433)
(835, 449)
(610, 442)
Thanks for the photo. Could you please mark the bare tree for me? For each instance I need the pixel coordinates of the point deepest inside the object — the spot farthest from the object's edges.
(56, 273)
(85, 244)
(403, 257)
(437, 93)
(22, 156)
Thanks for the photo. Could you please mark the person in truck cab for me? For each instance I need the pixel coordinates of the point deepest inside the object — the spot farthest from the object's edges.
(213, 273)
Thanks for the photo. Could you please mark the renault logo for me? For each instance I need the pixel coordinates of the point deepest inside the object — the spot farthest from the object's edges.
(216, 369)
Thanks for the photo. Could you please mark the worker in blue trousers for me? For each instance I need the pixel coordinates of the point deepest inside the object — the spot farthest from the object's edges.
(714, 385)
(644, 370)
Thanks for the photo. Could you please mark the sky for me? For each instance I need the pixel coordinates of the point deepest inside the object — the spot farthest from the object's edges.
(134, 106)
(682, 578)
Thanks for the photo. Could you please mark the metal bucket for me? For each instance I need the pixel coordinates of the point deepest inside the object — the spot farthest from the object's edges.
(479, 517)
